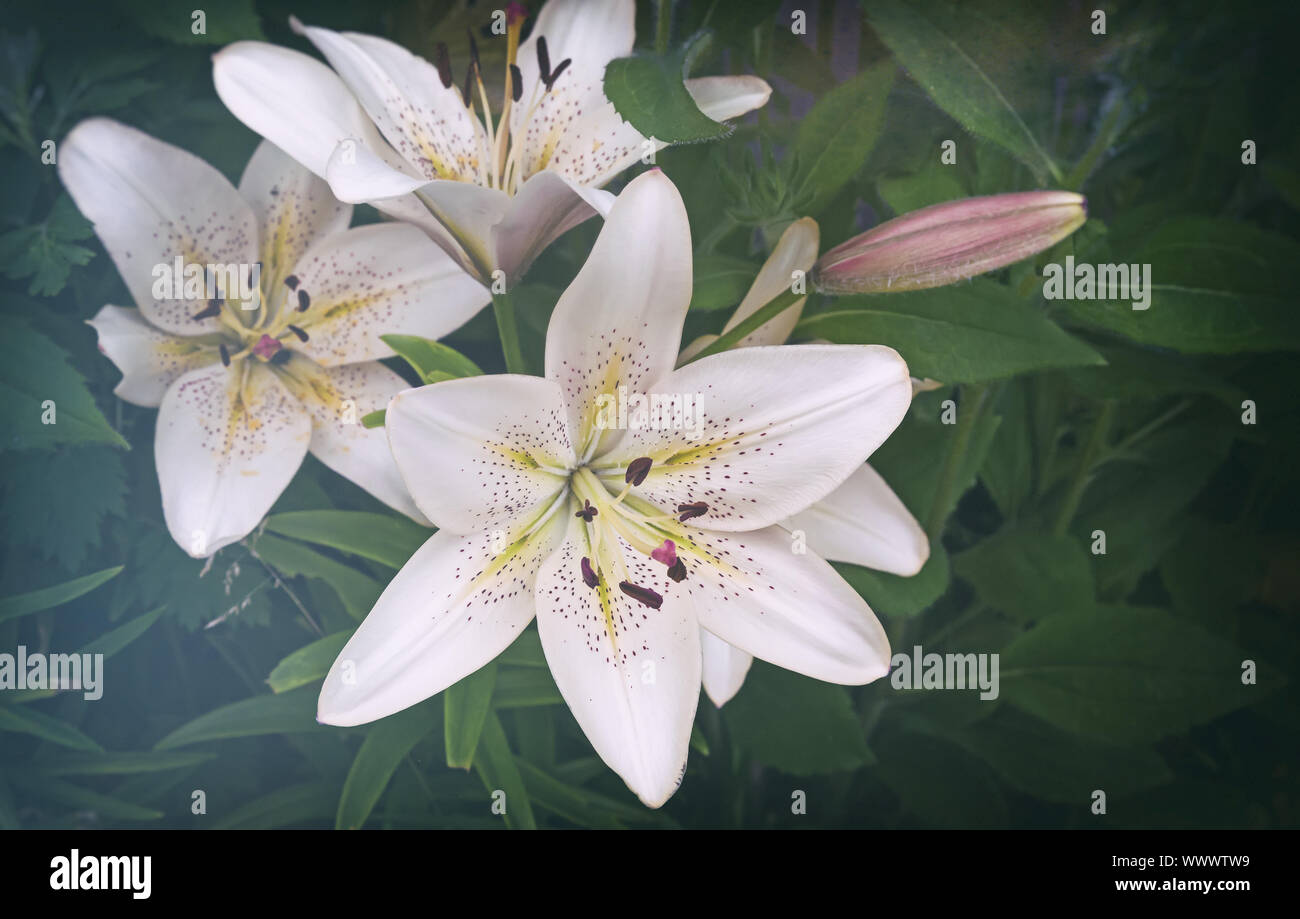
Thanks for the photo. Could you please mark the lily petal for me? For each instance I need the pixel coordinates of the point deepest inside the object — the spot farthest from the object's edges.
(456, 604)
(481, 453)
(150, 360)
(725, 668)
(728, 97)
(376, 280)
(789, 609)
(630, 674)
(151, 202)
(796, 250)
(620, 321)
(865, 523)
(782, 427)
(547, 206)
(228, 442)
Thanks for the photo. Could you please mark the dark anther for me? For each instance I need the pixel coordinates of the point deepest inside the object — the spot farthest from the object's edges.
(587, 511)
(212, 309)
(589, 577)
(543, 60)
(443, 60)
(516, 83)
(281, 356)
(637, 470)
(302, 336)
(225, 355)
(643, 595)
(469, 83)
(304, 301)
(677, 571)
(555, 75)
(694, 509)
(473, 50)
(291, 282)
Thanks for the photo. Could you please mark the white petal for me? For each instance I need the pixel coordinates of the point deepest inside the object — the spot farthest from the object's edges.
(725, 668)
(360, 174)
(630, 674)
(546, 206)
(790, 609)
(294, 101)
(426, 123)
(725, 98)
(294, 209)
(148, 358)
(620, 321)
(481, 453)
(456, 604)
(225, 451)
(468, 212)
(796, 250)
(338, 398)
(377, 280)
(589, 33)
(150, 203)
(780, 427)
(865, 523)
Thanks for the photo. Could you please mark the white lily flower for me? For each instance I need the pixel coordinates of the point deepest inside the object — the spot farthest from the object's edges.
(862, 522)
(244, 388)
(625, 543)
(420, 143)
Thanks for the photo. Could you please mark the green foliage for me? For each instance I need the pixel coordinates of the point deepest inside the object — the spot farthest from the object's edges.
(649, 93)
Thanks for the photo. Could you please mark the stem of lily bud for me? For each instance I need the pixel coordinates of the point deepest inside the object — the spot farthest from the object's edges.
(747, 325)
(508, 328)
(663, 25)
(968, 413)
(1083, 473)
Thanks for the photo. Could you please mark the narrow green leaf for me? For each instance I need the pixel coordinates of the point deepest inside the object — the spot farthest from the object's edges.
(495, 765)
(383, 750)
(525, 688)
(428, 357)
(466, 706)
(309, 663)
(109, 763)
(50, 597)
(116, 639)
(721, 281)
(39, 724)
(357, 591)
(290, 713)
(83, 799)
(294, 804)
(381, 538)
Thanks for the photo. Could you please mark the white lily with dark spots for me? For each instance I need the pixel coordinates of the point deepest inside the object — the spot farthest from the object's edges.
(246, 387)
(625, 543)
(420, 140)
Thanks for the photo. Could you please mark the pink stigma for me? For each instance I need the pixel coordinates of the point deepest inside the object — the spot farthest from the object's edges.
(667, 553)
(266, 347)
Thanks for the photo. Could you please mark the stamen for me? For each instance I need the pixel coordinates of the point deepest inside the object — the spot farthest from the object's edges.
(643, 595)
(225, 355)
(302, 336)
(555, 75)
(589, 577)
(467, 92)
(637, 470)
(443, 60)
(516, 83)
(666, 553)
(694, 509)
(280, 357)
(543, 60)
(212, 309)
(473, 48)
(677, 571)
(291, 282)
(304, 301)
(587, 511)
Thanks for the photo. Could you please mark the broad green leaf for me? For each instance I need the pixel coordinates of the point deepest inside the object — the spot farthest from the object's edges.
(648, 92)
(465, 708)
(934, 184)
(357, 591)
(289, 713)
(893, 595)
(310, 801)
(966, 334)
(383, 750)
(309, 663)
(382, 538)
(38, 385)
(1029, 573)
(46, 727)
(940, 783)
(495, 765)
(1008, 470)
(429, 358)
(796, 724)
(836, 137)
(50, 597)
(1140, 373)
(940, 45)
(108, 763)
(1127, 674)
(721, 281)
(46, 252)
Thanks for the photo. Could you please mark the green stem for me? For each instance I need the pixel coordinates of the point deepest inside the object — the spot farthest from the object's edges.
(508, 328)
(663, 25)
(756, 319)
(1100, 144)
(1082, 474)
(968, 413)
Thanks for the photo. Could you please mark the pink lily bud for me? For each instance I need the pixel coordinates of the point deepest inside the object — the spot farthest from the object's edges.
(949, 242)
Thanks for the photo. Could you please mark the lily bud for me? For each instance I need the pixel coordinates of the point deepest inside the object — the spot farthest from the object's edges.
(949, 242)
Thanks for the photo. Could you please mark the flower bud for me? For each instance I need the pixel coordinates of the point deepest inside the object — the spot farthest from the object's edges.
(949, 242)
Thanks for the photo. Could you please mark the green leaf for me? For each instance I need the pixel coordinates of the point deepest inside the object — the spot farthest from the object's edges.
(1029, 573)
(940, 46)
(83, 799)
(226, 21)
(940, 783)
(578, 805)
(648, 92)
(796, 724)
(289, 713)
(116, 639)
(107, 763)
(466, 706)
(57, 595)
(382, 538)
(374, 419)
(524, 651)
(495, 765)
(1126, 674)
(933, 184)
(39, 724)
(525, 688)
(309, 663)
(46, 252)
(35, 371)
(383, 750)
(357, 591)
(56, 502)
(968, 334)
(310, 801)
(432, 360)
(893, 595)
(721, 281)
(836, 137)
